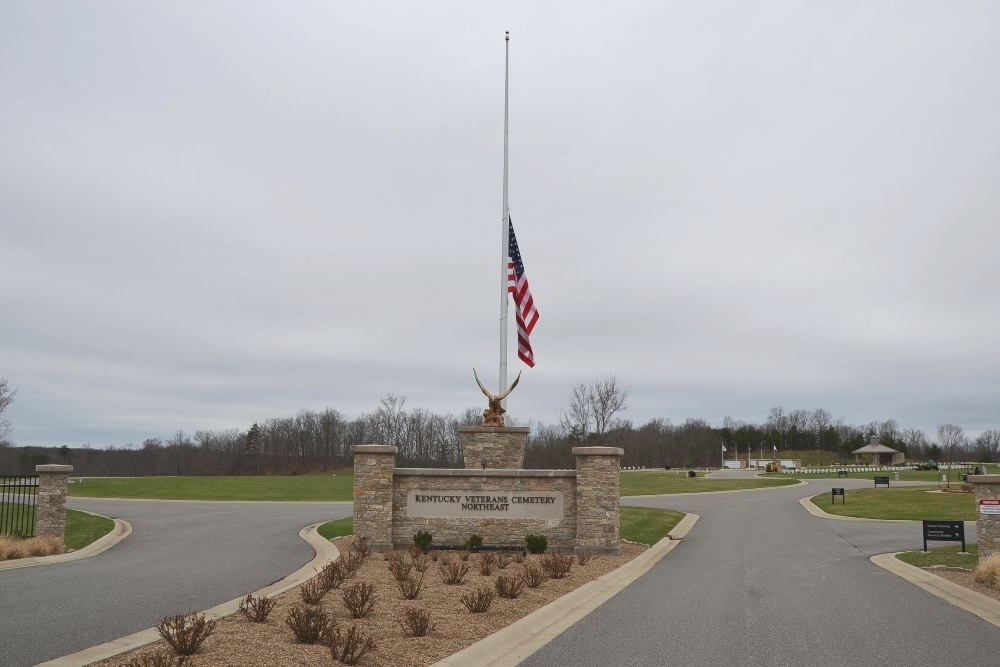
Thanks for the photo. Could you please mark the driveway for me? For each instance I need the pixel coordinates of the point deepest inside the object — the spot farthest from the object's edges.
(180, 557)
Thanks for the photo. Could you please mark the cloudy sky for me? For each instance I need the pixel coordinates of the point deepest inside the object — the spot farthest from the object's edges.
(214, 213)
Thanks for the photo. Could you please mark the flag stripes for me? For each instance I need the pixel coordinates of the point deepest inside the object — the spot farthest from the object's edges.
(517, 284)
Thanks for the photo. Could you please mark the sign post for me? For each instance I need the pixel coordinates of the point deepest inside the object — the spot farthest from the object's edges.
(944, 531)
(836, 491)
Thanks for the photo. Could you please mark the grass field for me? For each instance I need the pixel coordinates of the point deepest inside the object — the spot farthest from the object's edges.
(83, 529)
(947, 556)
(10, 519)
(911, 504)
(642, 483)
(286, 487)
(645, 525)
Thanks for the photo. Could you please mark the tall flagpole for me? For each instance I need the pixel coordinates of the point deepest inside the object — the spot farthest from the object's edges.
(505, 235)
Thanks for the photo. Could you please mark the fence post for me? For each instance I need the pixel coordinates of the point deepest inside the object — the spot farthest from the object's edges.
(53, 481)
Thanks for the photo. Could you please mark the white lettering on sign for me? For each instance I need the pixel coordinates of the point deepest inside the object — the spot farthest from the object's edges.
(491, 505)
(989, 506)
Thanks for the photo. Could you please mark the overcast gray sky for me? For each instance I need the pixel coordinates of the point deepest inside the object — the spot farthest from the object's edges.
(213, 213)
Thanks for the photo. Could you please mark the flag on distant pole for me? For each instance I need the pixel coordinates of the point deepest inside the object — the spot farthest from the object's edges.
(775, 448)
(517, 284)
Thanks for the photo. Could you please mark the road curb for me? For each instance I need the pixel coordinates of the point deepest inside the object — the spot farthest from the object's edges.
(513, 644)
(982, 606)
(121, 530)
(325, 553)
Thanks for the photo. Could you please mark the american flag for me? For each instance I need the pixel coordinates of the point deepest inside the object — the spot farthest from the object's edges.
(517, 284)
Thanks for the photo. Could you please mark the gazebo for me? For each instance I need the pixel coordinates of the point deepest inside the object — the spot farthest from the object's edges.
(881, 455)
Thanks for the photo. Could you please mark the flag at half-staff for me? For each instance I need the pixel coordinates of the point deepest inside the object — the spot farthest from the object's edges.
(517, 284)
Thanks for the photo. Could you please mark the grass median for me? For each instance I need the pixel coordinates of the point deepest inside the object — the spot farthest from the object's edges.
(943, 557)
(907, 504)
(643, 525)
(929, 476)
(83, 529)
(666, 482)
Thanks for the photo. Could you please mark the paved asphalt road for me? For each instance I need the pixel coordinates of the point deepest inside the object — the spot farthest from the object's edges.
(759, 581)
(180, 557)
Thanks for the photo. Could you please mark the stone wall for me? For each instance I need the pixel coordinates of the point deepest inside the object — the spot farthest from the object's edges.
(561, 533)
(373, 466)
(50, 509)
(500, 446)
(987, 487)
(597, 496)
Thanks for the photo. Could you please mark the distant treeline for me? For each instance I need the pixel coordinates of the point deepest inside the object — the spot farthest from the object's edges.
(318, 441)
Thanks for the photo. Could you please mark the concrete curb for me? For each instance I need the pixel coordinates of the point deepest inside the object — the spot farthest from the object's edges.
(982, 606)
(121, 530)
(714, 493)
(325, 553)
(513, 644)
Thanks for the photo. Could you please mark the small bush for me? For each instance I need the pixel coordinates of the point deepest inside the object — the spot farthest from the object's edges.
(503, 559)
(410, 587)
(15, 546)
(434, 556)
(420, 562)
(311, 625)
(454, 573)
(988, 571)
(474, 542)
(422, 540)
(349, 563)
(479, 601)
(347, 646)
(332, 575)
(359, 599)
(446, 558)
(519, 557)
(557, 566)
(584, 557)
(400, 568)
(158, 660)
(509, 585)
(362, 546)
(464, 555)
(534, 576)
(536, 543)
(312, 591)
(257, 610)
(185, 634)
(416, 622)
(487, 561)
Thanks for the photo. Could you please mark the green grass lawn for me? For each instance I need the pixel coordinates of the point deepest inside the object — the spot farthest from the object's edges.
(645, 525)
(285, 487)
(947, 556)
(83, 529)
(643, 483)
(912, 504)
(10, 518)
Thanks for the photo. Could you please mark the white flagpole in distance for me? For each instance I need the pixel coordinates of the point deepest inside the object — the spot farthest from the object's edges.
(505, 235)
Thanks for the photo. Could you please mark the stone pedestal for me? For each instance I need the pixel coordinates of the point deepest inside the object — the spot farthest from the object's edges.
(500, 446)
(597, 509)
(373, 465)
(987, 487)
(50, 508)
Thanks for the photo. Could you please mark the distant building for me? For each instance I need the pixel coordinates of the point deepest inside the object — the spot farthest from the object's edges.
(880, 454)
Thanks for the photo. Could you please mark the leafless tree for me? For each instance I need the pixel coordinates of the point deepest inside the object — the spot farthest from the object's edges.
(988, 445)
(577, 419)
(6, 398)
(609, 398)
(951, 438)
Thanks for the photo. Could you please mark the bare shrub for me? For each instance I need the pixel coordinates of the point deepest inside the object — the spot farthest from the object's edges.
(584, 557)
(158, 660)
(332, 575)
(12, 547)
(347, 646)
(557, 565)
(534, 576)
(359, 599)
(479, 601)
(410, 587)
(503, 559)
(312, 591)
(509, 585)
(257, 610)
(519, 557)
(419, 559)
(454, 573)
(185, 634)
(362, 546)
(434, 556)
(311, 625)
(464, 554)
(416, 622)
(487, 561)
(988, 571)
(349, 563)
(400, 568)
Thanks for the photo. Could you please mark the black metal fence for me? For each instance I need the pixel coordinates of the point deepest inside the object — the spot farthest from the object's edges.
(18, 496)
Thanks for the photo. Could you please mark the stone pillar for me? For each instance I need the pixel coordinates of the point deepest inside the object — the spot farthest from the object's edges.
(501, 446)
(597, 509)
(373, 466)
(987, 487)
(50, 508)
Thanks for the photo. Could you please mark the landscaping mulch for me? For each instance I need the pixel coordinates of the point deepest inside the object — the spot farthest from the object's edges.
(238, 642)
(966, 580)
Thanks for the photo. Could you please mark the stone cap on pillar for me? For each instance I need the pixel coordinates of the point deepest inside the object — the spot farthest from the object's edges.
(494, 429)
(53, 467)
(374, 449)
(984, 479)
(598, 451)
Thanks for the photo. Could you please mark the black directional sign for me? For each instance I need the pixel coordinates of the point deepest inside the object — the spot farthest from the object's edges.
(944, 531)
